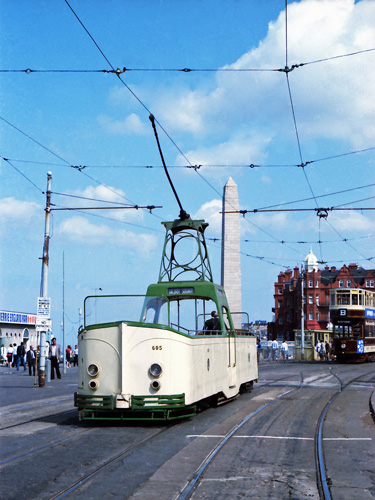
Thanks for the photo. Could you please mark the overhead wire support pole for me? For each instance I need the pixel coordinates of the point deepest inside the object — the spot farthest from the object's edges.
(44, 280)
(183, 214)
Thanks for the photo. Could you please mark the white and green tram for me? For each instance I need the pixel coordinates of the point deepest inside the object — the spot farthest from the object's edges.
(156, 360)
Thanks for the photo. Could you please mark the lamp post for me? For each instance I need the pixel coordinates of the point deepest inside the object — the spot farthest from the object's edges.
(302, 317)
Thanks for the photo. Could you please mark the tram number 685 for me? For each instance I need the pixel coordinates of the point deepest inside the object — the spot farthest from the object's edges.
(157, 347)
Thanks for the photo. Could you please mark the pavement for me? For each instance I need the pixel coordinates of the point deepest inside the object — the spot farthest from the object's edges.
(19, 387)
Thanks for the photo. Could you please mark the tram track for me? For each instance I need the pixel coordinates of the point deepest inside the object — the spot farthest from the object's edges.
(11, 413)
(321, 476)
(110, 461)
(322, 480)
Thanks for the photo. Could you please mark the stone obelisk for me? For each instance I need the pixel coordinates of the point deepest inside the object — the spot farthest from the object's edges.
(230, 250)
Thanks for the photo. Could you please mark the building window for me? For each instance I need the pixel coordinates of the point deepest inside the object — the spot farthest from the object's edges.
(348, 283)
(311, 316)
(370, 283)
(317, 300)
(280, 304)
(280, 320)
(341, 284)
(310, 299)
(280, 291)
(317, 284)
(317, 316)
(288, 317)
(311, 283)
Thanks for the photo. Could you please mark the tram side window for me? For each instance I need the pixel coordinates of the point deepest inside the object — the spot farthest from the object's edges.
(354, 300)
(155, 311)
(370, 329)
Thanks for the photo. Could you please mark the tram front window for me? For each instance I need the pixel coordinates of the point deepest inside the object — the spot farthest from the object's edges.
(343, 299)
(342, 332)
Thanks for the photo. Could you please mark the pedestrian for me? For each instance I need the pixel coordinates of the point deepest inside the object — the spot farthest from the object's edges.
(75, 360)
(10, 355)
(274, 347)
(68, 353)
(3, 354)
(21, 357)
(259, 350)
(54, 355)
(268, 352)
(328, 351)
(284, 350)
(322, 351)
(14, 355)
(30, 358)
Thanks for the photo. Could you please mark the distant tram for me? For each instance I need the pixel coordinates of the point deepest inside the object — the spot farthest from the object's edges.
(352, 312)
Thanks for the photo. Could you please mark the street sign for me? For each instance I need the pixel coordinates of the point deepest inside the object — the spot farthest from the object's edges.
(43, 325)
(43, 321)
(44, 307)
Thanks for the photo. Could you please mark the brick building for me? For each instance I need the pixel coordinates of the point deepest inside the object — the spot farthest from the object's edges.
(316, 286)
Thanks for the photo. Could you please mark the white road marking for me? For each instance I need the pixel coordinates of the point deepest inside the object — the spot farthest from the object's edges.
(276, 437)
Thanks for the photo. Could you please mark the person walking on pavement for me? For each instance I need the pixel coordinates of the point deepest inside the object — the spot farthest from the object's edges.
(21, 357)
(284, 350)
(3, 354)
(10, 355)
(274, 347)
(14, 355)
(30, 358)
(75, 352)
(54, 355)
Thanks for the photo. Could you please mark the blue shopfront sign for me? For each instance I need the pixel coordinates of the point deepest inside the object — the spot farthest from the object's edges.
(369, 313)
(360, 347)
(15, 317)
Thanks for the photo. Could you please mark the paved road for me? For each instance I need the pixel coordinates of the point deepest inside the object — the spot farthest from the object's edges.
(270, 457)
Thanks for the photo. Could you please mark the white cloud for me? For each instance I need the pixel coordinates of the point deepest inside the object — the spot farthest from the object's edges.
(12, 209)
(131, 124)
(109, 194)
(210, 212)
(332, 99)
(78, 229)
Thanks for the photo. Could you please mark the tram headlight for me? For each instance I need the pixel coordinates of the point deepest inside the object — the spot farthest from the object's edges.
(155, 384)
(93, 384)
(343, 346)
(155, 370)
(93, 370)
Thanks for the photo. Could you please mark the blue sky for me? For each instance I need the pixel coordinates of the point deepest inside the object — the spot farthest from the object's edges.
(224, 121)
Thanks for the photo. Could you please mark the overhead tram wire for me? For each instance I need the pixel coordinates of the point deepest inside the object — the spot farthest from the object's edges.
(198, 167)
(139, 100)
(79, 168)
(286, 71)
(20, 172)
(184, 70)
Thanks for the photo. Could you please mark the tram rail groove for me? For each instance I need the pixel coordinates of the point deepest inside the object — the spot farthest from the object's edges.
(36, 419)
(188, 490)
(43, 446)
(83, 480)
(322, 479)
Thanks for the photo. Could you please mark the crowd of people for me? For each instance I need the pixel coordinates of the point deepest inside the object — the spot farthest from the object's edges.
(274, 352)
(16, 356)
